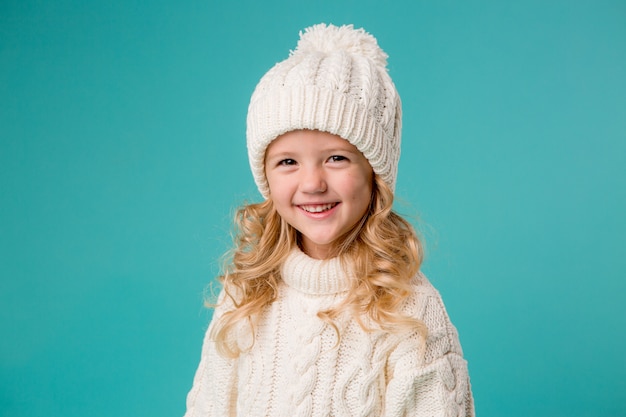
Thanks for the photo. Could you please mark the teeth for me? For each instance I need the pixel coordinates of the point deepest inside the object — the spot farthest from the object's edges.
(318, 208)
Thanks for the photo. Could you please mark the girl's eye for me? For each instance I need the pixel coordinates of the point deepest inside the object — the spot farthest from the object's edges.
(338, 158)
(287, 162)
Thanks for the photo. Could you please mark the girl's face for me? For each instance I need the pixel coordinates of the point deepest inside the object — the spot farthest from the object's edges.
(320, 184)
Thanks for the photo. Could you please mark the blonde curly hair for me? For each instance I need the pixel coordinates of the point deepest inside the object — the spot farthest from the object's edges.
(383, 250)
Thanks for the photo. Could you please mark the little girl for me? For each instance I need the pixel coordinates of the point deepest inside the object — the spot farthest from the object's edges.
(323, 310)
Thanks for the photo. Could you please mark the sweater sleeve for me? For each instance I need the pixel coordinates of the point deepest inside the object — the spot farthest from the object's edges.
(432, 379)
(214, 384)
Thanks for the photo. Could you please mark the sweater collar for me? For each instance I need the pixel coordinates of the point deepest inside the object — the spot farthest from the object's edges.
(314, 276)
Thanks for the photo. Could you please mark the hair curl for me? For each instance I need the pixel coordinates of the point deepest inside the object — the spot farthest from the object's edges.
(383, 250)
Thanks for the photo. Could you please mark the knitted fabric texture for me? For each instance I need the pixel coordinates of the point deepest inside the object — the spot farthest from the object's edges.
(336, 81)
(296, 367)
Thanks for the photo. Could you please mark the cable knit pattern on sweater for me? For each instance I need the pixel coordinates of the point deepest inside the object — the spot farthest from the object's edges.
(296, 367)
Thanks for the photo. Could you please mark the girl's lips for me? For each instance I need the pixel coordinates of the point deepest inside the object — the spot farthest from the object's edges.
(318, 211)
(317, 208)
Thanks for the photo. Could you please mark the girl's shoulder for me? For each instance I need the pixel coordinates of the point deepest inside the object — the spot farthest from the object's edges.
(425, 304)
(423, 292)
(422, 285)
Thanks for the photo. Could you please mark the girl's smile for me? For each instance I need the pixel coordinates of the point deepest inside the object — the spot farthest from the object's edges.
(317, 208)
(320, 184)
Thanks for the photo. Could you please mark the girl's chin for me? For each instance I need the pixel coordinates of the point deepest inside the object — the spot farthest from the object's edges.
(317, 249)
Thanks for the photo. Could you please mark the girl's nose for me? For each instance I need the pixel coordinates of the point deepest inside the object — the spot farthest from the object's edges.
(313, 181)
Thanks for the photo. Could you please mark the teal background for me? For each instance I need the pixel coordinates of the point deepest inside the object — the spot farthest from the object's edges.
(122, 128)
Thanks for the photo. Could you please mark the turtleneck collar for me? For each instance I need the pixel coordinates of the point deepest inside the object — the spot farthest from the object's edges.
(314, 276)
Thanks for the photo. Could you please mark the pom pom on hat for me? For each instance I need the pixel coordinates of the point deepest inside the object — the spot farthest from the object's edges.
(335, 81)
(329, 39)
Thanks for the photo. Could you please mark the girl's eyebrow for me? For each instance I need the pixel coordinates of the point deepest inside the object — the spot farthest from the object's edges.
(341, 149)
(281, 154)
(296, 152)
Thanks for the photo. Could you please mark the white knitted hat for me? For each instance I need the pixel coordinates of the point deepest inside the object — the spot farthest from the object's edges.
(335, 81)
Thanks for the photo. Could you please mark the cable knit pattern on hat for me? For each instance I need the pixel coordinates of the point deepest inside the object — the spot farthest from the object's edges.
(336, 81)
(296, 367)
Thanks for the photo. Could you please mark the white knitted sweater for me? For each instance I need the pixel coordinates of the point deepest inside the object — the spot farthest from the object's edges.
(296, 369)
